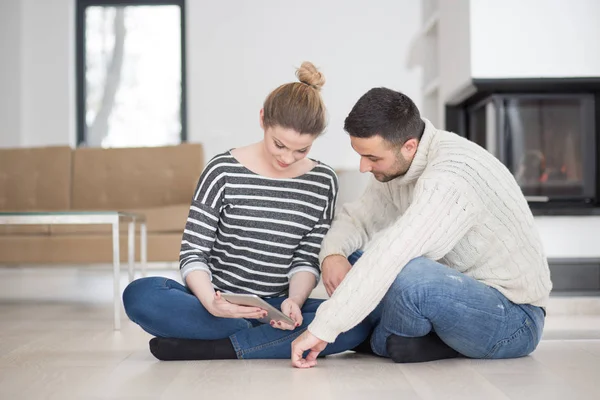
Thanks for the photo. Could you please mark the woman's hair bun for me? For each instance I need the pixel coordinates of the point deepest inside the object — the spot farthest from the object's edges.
(310, 75)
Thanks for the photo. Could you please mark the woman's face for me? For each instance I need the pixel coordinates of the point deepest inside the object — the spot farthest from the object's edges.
(285, 146)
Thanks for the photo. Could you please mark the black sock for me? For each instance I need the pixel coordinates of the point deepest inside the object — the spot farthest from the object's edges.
(169, 349)
(364, 347)
(419, 349)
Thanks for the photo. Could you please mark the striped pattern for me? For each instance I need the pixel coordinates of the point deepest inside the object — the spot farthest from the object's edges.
(252, 233)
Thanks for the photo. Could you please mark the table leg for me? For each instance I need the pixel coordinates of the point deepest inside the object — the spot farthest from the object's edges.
(143, 248)
(131, 250)
(116, 276)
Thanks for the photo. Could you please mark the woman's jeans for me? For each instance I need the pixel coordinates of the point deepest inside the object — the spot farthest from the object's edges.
(165, 308)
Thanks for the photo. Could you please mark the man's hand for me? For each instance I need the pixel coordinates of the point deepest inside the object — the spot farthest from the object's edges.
(224, 309)
(306, 341)
(334, 270)
(290, 308)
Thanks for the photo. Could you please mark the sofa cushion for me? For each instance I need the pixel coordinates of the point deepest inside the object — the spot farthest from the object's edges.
(158, 219)
(133, 178)
(24, 230)
(35, 179)
(83, 249)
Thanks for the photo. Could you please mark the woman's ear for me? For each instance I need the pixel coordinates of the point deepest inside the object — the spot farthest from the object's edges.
(262, 118)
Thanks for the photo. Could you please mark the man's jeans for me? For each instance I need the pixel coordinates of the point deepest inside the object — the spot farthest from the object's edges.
(165, 308)
(469, 316)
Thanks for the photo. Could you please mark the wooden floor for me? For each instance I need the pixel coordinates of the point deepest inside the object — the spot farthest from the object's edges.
(59, 344)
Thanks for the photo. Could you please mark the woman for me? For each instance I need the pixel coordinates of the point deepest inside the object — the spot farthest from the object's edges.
(255, 226)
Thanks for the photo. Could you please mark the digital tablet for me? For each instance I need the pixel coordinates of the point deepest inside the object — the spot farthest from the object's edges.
(253, 300)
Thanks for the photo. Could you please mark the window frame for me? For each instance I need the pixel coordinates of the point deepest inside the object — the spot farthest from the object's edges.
(80, 51)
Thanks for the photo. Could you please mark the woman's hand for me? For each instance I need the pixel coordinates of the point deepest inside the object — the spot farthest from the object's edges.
(224, 309)
(301, 284)
(290, 308)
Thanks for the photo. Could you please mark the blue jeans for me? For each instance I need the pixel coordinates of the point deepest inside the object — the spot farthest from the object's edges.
(165, 308)
(474, 319)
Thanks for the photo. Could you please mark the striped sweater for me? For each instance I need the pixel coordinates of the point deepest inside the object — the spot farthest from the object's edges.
(456, 204)
(251, 233)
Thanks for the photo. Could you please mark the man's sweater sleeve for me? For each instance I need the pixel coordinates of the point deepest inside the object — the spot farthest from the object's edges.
(440, 215)
(355, 223)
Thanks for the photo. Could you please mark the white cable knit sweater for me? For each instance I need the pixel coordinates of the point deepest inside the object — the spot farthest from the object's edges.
(456, 204)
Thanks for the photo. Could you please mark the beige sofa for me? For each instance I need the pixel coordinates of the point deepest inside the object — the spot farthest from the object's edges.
(156, 181)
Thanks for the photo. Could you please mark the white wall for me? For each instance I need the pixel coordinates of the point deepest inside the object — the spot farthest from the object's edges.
(37, 99)
(48, 73)
(238, 53)
(570, 237)
(535, 38)
(10, 76)
(454, 46)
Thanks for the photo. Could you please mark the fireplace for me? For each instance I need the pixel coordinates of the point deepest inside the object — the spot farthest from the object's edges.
(546, 131)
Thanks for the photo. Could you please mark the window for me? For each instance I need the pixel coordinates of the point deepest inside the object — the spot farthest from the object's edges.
(130, 73)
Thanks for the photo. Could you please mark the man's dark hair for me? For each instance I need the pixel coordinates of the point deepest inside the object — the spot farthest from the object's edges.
(387, 113)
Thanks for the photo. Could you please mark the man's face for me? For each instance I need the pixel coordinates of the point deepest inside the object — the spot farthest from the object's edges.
(383, 159)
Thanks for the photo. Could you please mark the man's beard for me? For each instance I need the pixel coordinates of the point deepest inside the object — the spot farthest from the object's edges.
(399, 168)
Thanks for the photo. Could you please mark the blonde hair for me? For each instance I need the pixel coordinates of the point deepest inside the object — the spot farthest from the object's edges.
(298, 105)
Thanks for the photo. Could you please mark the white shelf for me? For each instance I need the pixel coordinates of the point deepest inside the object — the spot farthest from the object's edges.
(431, 109)
(429, 40)
(430, 58)
(428, 8)
(431, 88)
(430, 25)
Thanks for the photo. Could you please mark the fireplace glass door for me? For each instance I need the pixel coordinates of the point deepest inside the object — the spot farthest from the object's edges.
(546, 141)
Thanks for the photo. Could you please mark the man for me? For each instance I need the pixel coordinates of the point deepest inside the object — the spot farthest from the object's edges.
(453, 261)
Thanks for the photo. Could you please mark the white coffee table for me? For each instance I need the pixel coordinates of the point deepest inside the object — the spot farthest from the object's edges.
(113, 218)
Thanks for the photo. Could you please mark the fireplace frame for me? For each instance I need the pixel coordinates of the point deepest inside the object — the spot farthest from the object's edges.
(481, 90)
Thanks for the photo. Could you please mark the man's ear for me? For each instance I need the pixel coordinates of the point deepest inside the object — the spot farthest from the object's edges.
(410, 147)
(261, 119)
